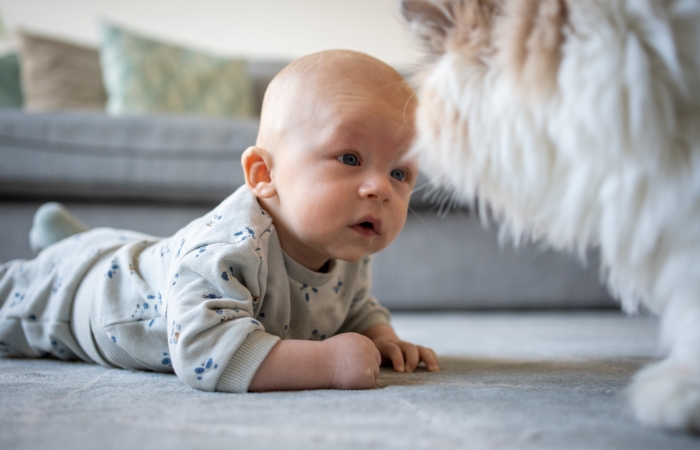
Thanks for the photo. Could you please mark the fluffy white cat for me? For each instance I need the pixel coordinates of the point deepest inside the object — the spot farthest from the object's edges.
(578, 123)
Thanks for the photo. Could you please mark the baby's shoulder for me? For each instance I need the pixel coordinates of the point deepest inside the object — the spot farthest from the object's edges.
(240, 217)
(238, 221)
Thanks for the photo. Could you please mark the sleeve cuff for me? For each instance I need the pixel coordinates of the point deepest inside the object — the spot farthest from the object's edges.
(379, 317)
(245, 362)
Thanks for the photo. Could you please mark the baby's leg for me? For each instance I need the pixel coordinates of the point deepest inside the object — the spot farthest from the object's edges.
(36, 297)
(53, 223)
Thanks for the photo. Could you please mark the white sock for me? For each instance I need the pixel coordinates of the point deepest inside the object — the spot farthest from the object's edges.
(53, 223)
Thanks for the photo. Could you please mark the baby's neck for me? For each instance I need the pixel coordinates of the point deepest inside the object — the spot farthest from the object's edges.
(324, 268)
(291, 246)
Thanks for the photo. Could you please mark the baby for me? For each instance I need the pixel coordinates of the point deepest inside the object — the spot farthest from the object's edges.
(270, 290)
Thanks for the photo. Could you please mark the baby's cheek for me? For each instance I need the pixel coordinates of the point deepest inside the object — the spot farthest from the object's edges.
(398, 220)
(400, 213)
(312, 220)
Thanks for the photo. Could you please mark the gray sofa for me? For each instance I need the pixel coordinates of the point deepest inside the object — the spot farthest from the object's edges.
(156, 173)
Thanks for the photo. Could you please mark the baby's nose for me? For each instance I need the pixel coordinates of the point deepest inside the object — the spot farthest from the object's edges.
(377, 187)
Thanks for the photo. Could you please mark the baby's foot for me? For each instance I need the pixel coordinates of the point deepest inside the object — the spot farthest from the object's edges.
(667, 395)
(52, 223)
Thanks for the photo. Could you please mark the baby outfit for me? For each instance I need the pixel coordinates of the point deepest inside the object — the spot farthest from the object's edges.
(208, 303)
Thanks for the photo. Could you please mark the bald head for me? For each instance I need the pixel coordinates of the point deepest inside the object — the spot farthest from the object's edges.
(305, 91)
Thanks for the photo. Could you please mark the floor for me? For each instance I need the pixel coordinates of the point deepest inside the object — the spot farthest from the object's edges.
(509, 380)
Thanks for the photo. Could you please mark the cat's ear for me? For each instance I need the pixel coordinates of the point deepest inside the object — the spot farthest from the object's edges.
(430, 22)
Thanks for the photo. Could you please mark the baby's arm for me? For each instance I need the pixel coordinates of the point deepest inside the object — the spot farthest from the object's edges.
(345, 361)
(403, 355)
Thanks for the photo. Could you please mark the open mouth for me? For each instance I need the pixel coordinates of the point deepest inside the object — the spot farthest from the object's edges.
(367, 227)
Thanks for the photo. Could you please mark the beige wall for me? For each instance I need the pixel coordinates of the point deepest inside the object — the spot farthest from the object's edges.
(257, 28)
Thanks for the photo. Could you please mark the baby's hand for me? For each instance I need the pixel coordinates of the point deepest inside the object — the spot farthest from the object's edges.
(355, 359)
(402, 355)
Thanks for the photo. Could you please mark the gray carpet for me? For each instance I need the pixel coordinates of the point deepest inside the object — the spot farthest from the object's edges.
(508, 381)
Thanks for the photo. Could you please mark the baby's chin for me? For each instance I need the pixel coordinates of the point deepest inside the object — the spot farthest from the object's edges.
(353, 260)
(354, 249)
(356, 253)
(351, 256)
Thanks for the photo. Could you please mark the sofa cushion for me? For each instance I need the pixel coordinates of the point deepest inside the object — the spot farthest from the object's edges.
(144, 75)
(59, 75)
(96, 156)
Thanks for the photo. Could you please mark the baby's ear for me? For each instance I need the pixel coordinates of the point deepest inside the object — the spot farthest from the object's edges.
(257, 164)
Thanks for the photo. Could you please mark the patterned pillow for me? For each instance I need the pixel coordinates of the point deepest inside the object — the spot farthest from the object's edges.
(10, 87)
(142, 75)
(57, 74)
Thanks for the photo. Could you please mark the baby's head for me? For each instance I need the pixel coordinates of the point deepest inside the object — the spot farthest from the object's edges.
(331, 163)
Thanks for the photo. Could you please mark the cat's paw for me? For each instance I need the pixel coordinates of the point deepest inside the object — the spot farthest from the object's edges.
(667, 395)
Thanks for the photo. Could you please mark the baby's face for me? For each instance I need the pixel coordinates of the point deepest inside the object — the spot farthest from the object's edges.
(343, 178)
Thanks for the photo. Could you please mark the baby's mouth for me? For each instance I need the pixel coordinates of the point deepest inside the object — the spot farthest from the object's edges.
(368, 226)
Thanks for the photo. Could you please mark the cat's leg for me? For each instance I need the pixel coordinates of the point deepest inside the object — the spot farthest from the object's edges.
(667, 394)
(53, 223)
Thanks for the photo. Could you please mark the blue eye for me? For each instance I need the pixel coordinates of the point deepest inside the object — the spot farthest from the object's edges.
(398, 174)
(349, 159)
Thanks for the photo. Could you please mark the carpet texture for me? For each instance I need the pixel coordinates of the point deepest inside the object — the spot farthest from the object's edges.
(528, 380)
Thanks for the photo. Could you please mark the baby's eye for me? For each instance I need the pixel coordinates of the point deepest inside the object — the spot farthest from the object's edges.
(398, 174)
(349, 159)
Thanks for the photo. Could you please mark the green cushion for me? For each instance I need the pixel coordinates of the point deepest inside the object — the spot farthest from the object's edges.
(10, 86)
(142, 75)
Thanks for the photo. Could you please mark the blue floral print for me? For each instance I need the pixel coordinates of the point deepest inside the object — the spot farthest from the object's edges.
(215, 218)
(113, 267)
(17, 299)
(204, 367)
(304, 288)
(227, 314)
(316, 336)
(182, 242)
(57, 285)
(248, 233)
(337, 286)
(175, 333)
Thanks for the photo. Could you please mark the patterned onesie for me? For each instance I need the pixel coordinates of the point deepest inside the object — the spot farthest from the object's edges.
(208, 303)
